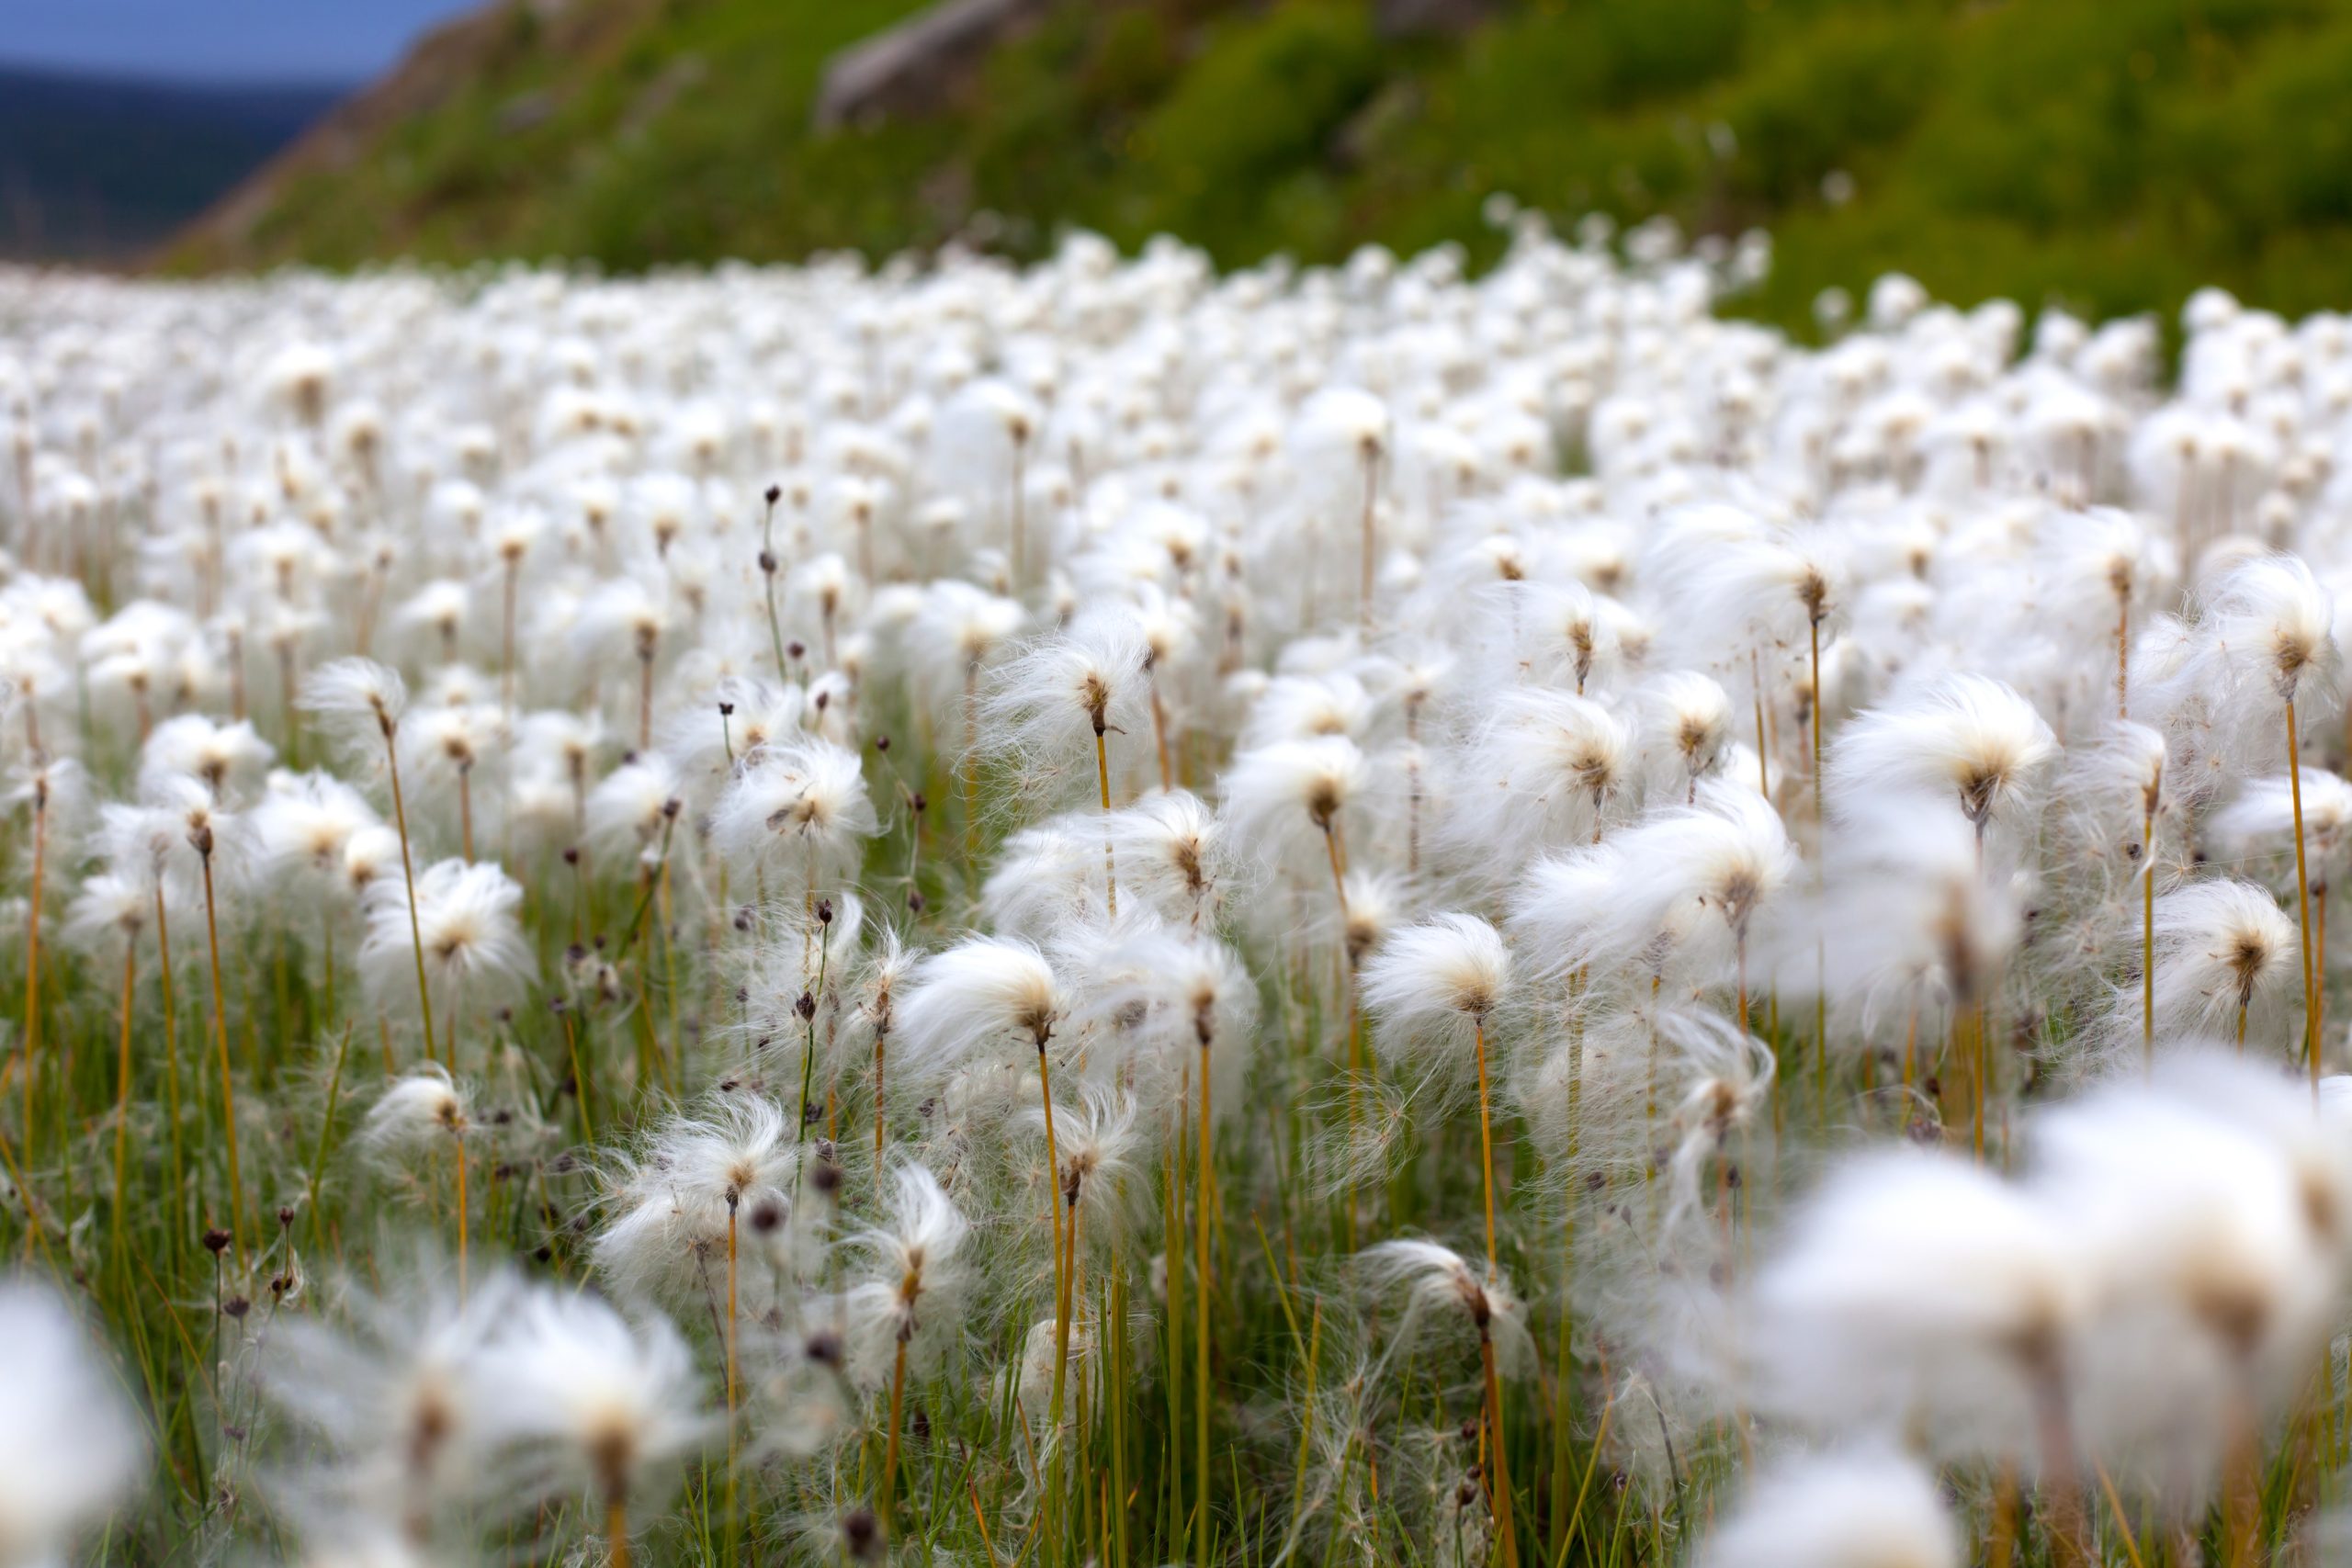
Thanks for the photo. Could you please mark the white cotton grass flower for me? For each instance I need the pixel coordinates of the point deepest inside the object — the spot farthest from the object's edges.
(959, 633)
(110, 906)
(1686, 729)
(564, 745)
(178, 829)
(2214, 1263)
(398, 1400)
(1302, 707)
(1443, 1294)
(1172, 853)
(2269, 623)
(1432, 986)
(1549, 769)
(357, 699)
(630, 810)
(1378, 903)
(800, 807)
(1159, 1001)
(468, 927)
(1428, 985)
(1917, 1291)
(1046, 877)
(370, 856)
(984, 991)
(604, 1406)
(230, 759)
(305, 823)
(1676, 893)
(2277, 1109)
(673, 1202)
(1968, 739)
(2260, 822)
(438, 609)
(413, 1113)
(70, 1446)
(2129, 763)
(1562, 636)
(1908, 915)
(1106, 1155)
(1726, 1075)
(1282, 795)
(1046, 709)
(910, 1307)
(2222, 947)
(1864, 1508)
(879, 979)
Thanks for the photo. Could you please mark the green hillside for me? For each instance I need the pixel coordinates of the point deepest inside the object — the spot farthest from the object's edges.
(2111, 153)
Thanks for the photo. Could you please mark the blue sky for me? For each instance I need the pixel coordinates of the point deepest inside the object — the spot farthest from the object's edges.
(217, 41)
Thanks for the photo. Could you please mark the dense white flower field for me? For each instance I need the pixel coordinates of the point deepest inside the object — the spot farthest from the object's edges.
(1106, 914)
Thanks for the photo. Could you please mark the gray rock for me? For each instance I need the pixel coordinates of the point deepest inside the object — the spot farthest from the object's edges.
(908, 68)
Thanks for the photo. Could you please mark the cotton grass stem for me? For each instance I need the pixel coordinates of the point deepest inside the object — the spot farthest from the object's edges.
(220, 1027)
(32, 965)
(1204, 1192)
(408, 878)
(2303, 903)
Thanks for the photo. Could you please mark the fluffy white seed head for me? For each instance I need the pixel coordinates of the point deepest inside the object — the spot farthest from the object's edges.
(1861, 1509)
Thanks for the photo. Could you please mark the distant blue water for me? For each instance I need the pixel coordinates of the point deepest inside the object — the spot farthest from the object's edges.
(217, 41)
(100, 168)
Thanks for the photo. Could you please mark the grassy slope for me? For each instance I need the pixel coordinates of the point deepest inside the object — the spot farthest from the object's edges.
(2112, 154)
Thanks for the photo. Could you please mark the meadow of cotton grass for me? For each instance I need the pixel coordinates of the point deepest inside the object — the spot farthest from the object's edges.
(1103, 914)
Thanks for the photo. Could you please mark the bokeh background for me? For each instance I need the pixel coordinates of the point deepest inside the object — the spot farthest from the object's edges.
(2110, 156)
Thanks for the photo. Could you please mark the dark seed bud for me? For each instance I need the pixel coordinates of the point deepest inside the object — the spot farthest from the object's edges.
(824, 1349)
(914, 902)
(806, 1007)
(775, 495)
(216, 1242)
(727, 710)
(826, 1178)
(766, 1215)
(767, 562)
(285, 1215)
(571, 855)
(881, 743)
(824, 911)
(795, 648)
(862, 1534)
(921, 802)
(824, 699)
(236, 1306)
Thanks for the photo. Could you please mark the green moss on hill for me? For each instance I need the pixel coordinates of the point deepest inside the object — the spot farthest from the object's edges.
(2109, 153)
